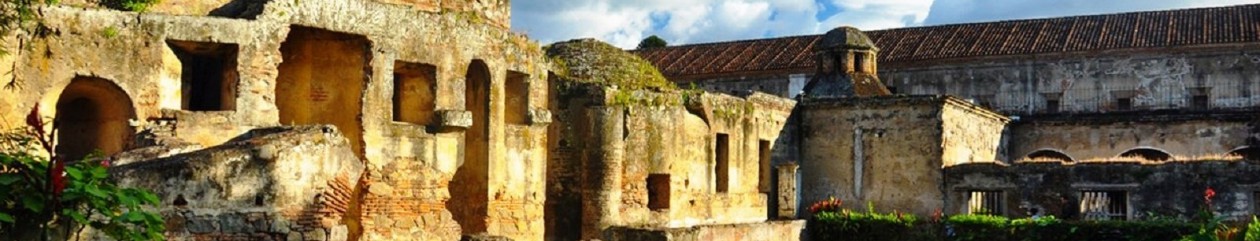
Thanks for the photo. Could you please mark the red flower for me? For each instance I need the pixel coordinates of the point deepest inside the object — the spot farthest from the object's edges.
(105, 162)
(1208, 194)
(830, 205)
(33, 119)
(58, 176)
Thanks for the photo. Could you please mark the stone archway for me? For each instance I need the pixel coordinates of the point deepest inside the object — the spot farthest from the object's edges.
(1050, 154)
(470, 186)
(1147, 153)
(92, 115)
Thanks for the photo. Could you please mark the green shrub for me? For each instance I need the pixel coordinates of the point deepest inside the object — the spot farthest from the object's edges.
(1253, 230)
(44, 196)
(977, 227)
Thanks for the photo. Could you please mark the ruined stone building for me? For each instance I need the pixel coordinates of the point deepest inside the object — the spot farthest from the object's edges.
(430, 120)
(1117, 116)
(392, 120)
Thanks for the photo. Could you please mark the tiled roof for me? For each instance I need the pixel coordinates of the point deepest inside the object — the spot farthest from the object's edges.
(1183, 27)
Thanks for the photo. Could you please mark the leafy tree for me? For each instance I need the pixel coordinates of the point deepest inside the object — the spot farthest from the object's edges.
(43, 196)
(652, 42)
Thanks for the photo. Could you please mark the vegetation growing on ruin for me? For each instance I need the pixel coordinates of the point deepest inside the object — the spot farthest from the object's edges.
(22, 18)
(44, 196)
(129, 5)
(592, 61)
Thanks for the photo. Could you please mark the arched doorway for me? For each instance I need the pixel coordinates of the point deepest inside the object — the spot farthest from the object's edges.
(1147, 153)
(92, 115)
(1050, 154)
(470, 188)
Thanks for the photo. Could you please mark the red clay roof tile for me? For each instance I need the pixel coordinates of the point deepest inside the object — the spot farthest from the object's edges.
(1183, 27)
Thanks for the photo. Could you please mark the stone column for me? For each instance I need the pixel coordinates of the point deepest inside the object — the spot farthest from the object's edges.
(788, 195)
(602, 171)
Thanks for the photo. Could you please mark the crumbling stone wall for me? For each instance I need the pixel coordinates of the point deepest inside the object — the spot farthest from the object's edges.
(888, 151)
(618, 147)
(971, 133)
(284, 183)
(648, 154)
(1172, 189)
(1103, 136)
(408, 165)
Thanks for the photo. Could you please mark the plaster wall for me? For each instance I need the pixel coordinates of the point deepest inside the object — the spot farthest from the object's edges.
(1107, 136)
(1091, 82)
(885, 151)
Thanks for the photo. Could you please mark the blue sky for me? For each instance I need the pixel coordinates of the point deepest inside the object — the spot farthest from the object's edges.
(625, 22)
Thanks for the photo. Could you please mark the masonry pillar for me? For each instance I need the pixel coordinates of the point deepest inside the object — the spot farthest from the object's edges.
(602, 178)
(788, 194)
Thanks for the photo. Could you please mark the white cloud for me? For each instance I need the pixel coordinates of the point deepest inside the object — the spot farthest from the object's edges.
(878, 14)
(625, 22)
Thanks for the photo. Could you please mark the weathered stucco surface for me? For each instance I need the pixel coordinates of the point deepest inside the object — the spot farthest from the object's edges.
(889, 151)
(647, 155)
(1087, 137)
(1092, 82)
(284, 183)
(615, 149)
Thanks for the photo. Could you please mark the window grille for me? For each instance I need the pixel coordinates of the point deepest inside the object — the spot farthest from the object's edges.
(1104, 205)
(985, 202)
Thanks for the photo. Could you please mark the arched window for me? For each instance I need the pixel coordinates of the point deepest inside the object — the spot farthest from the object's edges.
(1147, 153)
(1049, 154)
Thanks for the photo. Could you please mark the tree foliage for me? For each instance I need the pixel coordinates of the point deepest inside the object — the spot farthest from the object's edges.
(652, 42)
(45, 197)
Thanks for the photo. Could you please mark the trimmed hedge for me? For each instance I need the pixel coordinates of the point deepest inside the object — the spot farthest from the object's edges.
(853, 226)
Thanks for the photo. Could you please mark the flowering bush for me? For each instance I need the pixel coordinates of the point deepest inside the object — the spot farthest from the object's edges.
(830, 205)
(43, 196)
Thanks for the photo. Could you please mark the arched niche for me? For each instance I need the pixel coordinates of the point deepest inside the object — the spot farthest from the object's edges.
(1148, 153)
(470, 186)
(1050, 154)
(1246, 152)
(92, 115)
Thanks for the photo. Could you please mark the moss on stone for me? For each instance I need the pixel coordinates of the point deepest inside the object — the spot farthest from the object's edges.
(592, 61)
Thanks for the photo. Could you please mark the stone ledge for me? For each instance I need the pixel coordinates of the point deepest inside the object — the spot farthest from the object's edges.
(788, 230)
(538, 116)
(454, 119)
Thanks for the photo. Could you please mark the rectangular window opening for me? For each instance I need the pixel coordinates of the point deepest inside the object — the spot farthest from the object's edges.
(208, 74)
(859, 61)
(763, 164)
(1200, 102)
(658, 191)
(1052, 106)
(985, 203)
(1104, 205)
(1124, 104)
(517, 100)
(414, 92)
(721, 168)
